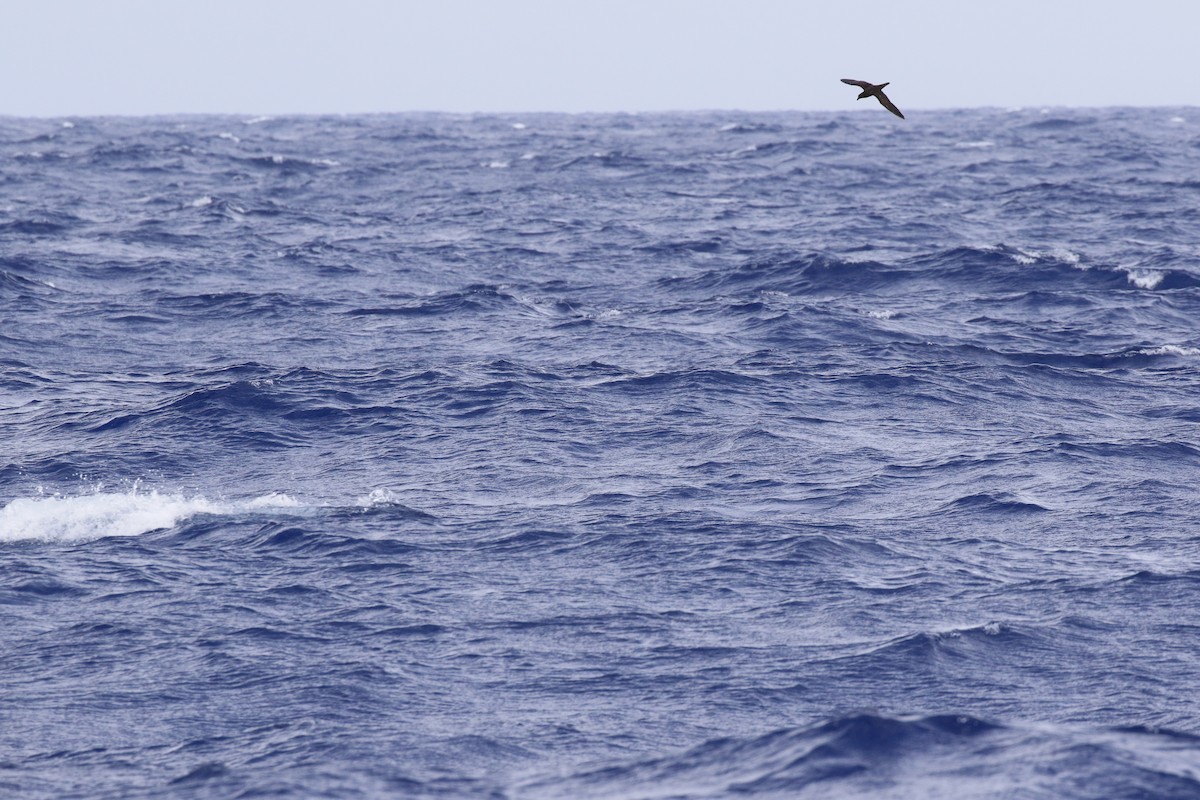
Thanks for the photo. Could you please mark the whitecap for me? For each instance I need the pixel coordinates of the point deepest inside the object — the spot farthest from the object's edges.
(257, 120)
(980, 144)
(497, 165)
(377, 498)
(104, 514)
(76, 519)
(68, 124)
(1168, 350)
(518, 126)
(229, 136)
(271, 500)
(1068, 257)
(201, 202)
(1145, 278)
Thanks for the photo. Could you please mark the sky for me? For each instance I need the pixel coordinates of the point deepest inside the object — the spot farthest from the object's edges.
(135, 57)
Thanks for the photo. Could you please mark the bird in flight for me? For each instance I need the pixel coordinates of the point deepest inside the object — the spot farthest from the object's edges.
(871, 90)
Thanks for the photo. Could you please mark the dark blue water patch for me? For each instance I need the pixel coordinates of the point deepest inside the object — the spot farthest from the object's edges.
(234, 304)
(20, 277)
(1060, 123)
(42, 590)
(695, 380)
(239, 397)
(801, 276)
(1002, 503)
(49, 223)
(786, 761)
(1004, 266)
(865, 755)
(472, 299)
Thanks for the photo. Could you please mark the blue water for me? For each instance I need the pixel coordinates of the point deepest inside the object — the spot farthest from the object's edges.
(692, 456)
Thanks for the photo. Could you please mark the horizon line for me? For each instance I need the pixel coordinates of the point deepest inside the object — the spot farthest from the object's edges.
(551, 112)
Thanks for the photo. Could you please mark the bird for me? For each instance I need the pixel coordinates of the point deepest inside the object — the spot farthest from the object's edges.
(871, 90)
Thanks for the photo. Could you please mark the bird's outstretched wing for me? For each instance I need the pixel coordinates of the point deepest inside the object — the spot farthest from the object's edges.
(860, 84)
(888, 104)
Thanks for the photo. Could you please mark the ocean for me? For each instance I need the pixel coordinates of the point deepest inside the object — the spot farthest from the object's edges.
(690, 455)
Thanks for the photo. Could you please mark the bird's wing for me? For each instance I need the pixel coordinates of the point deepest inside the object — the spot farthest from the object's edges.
(852, 82)
(888, 104)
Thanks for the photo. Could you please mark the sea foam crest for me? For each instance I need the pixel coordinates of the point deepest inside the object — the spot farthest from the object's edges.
(377, 498)
(1145, 278)
(104, 514)
(1168, 350)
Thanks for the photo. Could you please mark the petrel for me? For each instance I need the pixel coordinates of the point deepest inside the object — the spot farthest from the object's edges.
(871, 90)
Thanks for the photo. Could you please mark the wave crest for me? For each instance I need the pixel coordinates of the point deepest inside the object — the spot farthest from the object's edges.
(104, 514)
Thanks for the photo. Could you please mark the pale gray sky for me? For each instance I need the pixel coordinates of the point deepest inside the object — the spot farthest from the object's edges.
(79, 57)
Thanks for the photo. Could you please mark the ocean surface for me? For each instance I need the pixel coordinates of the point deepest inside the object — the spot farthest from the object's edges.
(706, 455)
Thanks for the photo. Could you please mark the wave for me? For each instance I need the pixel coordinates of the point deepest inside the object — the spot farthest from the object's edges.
(1002, 268)
(708, 440)
(871, 755)
(52, 223)
(471, 299)
(998, 503)
(101, 514)
(104, 514)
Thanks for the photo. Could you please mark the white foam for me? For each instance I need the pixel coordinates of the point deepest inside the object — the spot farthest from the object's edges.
(378, 497)
(201, 202)
(69, 124)
(1021, 255)
(979, 144)
(497, 165)
(1145, 278)
(1168, 350)
(1069, 257)
(272, 500)
(104, 514)
(518, 126)
(228, 136)
(881, 314)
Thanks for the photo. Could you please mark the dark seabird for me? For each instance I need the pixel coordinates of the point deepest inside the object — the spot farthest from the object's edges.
(871, 90)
